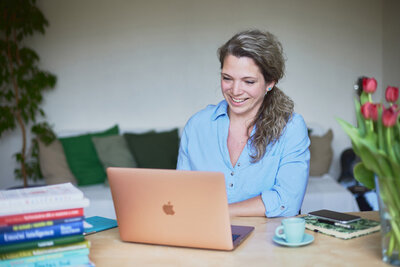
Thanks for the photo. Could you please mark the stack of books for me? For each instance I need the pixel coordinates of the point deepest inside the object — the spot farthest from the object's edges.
(43, 226)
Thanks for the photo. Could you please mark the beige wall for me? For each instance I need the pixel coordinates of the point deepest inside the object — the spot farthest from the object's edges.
(152, 64)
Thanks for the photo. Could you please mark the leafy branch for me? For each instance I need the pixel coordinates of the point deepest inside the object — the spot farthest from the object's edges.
(22, 83)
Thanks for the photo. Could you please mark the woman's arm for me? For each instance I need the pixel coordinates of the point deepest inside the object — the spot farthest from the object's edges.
(286, 195)
(250, 207)
(183, 159)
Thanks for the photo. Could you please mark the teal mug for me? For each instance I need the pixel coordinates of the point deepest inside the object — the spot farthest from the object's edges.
(291, 230)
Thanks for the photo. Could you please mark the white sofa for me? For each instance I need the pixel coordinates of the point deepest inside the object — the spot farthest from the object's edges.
(323, 192)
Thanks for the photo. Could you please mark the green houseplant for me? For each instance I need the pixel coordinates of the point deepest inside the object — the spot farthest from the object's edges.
(376, 140)
(22, 83)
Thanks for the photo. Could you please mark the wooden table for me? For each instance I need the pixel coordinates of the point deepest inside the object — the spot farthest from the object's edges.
(257, 250)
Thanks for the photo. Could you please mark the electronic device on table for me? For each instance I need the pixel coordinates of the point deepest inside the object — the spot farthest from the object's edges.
(334, 216)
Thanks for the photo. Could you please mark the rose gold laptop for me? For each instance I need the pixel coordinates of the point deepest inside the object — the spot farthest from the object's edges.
(174, 207)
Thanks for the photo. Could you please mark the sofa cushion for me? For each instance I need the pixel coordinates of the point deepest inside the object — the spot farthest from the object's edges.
(53, 164)
(321, 153)
(82, 157)
(154, 149)
(113, 151)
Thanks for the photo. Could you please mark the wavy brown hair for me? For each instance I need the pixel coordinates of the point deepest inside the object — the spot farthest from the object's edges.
(277, 108)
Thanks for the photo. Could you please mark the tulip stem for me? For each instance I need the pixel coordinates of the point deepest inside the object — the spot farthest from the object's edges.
(389, 142)
(381, 142)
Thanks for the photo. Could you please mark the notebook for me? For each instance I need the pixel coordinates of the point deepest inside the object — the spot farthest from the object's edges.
(174, 207)
(97, 224)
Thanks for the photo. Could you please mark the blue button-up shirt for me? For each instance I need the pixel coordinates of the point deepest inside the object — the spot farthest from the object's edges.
(280, 176)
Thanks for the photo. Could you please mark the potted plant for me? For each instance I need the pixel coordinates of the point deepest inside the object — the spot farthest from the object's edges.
(22, 83)
(376, 140)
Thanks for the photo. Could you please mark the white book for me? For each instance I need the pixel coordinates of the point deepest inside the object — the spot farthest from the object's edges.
(73, 204)
(40, 195)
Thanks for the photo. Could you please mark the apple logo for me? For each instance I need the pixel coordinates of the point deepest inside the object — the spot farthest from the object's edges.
(168, 208)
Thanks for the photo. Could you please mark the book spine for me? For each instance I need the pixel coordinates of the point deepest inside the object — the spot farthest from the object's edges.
(59, 230)
(41, 243)
(42, 251)
(40, 216)
(54, 259)
(40, 195)
(65, 261)
(5, 211)
(15, 203)
(26, 226)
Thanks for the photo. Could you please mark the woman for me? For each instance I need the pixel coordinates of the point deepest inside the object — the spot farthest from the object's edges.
(253, 136)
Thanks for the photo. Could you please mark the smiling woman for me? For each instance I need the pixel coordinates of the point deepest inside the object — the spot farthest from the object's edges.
(253, 136)
(243, 86)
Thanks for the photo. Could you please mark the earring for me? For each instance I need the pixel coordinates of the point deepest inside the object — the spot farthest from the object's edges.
(269, 89)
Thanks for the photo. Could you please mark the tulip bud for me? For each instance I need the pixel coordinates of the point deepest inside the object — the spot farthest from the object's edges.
(392, 94)
(389, 116)
(369, 85)
(370, 111)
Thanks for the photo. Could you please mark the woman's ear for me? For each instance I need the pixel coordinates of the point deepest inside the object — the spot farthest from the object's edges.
(269, 86)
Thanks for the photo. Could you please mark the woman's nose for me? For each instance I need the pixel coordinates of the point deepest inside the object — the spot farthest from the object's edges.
(236, 88)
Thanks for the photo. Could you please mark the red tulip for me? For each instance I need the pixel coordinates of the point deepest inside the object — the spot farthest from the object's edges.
(369, 85)
(370, 111)
(390, 115)
(392, 94)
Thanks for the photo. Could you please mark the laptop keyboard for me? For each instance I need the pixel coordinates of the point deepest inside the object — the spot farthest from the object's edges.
(234, 237)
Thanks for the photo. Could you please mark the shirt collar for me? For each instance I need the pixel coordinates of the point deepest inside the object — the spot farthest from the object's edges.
(221, 109)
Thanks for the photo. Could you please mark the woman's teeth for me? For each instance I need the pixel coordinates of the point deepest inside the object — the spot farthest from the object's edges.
(237, 100)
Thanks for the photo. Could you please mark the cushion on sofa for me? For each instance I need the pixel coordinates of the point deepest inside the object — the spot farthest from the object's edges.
(321, 153)
(82, 157)
(53, 164)
(113, 151)
(154, 149)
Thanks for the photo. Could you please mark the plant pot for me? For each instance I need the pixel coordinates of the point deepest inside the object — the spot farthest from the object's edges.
(388, 190)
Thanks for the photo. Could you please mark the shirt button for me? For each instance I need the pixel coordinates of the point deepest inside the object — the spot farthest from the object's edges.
(232, 173)
(282, 207)
(238, 164)
(231, 185)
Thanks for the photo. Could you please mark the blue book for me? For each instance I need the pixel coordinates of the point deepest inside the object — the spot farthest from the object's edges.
(67, 258)
(96, 224)
(58, 230)
(27, 226)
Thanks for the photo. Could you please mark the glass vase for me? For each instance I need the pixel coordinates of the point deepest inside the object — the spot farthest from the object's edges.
(388, 190)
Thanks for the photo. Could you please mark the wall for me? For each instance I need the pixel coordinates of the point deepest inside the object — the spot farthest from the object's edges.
(391, 43)
(152, 64)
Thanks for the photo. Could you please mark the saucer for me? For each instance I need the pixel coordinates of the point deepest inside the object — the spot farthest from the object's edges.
(307, 239)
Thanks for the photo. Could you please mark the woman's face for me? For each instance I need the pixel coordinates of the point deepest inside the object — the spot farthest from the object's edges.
(243, 86)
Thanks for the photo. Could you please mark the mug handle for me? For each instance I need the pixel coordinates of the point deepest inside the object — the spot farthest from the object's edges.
(278, 232)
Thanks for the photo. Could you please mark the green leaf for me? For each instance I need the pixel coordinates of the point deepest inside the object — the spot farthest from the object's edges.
(364, 176)
(369, 157)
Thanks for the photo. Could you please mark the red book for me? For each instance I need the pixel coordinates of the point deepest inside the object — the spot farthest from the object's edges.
(40, 216)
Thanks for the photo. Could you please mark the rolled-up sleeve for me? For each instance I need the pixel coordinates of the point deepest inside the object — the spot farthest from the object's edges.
(183, 158)
(286, 196)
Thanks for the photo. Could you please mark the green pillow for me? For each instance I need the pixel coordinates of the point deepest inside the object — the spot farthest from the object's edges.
(113, 151)
(154, 149)
(82, 157)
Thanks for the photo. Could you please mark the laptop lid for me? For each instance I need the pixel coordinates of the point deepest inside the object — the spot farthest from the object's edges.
(173, 207)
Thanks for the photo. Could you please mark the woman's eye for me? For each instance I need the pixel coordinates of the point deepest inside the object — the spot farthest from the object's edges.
(250, 82)
(226, 78)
